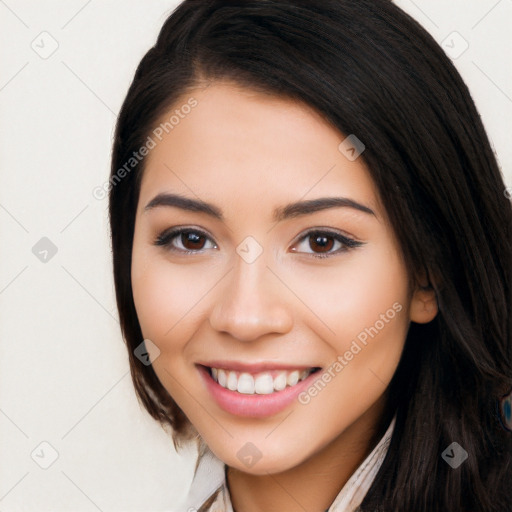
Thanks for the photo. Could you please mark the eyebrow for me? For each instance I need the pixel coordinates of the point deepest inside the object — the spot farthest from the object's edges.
(288, 211)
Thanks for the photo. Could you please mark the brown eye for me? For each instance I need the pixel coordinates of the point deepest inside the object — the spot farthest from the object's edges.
(192, 240)
(186, 241)
(321, 244)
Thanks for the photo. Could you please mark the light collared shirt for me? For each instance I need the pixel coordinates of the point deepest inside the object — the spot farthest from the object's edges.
(209, 491)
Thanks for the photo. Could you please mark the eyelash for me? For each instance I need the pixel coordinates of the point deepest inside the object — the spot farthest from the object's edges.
(166, 237)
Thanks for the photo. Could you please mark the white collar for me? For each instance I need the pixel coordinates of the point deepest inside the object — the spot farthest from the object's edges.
(210, 478)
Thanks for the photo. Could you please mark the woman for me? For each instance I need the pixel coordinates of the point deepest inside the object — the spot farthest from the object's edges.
(312, 259)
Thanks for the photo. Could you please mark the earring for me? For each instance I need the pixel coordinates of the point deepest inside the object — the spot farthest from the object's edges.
(506, 411)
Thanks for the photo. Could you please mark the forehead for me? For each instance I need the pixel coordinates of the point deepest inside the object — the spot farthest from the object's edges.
(242, 147)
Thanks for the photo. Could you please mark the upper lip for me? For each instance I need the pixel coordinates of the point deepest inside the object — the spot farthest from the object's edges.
(239, 366)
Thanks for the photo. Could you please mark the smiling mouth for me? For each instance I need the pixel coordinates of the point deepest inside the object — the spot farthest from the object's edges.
(261, 383)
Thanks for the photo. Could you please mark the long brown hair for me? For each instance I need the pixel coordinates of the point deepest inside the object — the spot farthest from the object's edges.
(371, 70)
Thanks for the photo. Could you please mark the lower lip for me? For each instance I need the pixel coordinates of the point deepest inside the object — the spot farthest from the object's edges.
(254, 406)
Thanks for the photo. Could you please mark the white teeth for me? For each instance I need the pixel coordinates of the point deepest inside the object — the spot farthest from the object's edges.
(246, 384)
(293, 378)
(232, 381)
(280, 381)
(222, 379)
(261, 383)
(264, 384)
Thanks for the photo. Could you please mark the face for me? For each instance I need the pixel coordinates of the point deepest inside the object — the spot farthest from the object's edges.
(275, 324)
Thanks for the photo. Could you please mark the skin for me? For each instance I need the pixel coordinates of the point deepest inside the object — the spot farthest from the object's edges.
(248, 153)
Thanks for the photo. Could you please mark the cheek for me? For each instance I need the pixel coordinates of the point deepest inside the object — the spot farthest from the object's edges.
(366, 307)
(164, 295)
(167, 300)
(351, 296)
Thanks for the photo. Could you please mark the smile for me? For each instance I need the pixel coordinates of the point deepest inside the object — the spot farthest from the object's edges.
(257, 391)
(263, 383)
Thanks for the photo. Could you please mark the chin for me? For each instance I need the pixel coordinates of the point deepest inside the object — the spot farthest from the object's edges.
(261, 457)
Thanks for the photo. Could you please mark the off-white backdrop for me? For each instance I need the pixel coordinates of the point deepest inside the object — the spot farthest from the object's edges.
(72, 435)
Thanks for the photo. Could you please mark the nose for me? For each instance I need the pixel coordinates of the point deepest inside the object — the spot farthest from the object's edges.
(251, 303)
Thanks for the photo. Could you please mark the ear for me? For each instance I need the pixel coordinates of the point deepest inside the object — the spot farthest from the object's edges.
(424, 305)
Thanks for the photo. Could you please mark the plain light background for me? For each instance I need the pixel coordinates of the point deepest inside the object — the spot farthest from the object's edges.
(64, 376)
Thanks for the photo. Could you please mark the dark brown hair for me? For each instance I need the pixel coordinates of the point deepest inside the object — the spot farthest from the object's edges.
(371, 70)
